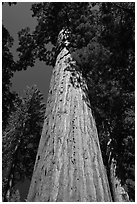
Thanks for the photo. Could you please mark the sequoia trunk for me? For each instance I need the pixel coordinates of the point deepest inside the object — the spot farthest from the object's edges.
(69, 164)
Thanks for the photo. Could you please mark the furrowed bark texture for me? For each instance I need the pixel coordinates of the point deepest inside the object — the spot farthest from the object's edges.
(69, 164)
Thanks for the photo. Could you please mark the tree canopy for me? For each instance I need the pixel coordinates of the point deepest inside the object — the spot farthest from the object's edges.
(8, 68)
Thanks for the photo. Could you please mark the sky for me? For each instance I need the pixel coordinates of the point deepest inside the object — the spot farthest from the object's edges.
(15, 18)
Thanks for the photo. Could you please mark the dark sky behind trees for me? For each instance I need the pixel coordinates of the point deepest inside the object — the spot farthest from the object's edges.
(15, 18)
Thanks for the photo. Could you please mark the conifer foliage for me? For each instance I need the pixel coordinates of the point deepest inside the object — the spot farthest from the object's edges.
(21, 139)
(8, 68)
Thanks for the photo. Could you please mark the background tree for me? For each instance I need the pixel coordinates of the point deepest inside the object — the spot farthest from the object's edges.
(118, 37)
(21, 139)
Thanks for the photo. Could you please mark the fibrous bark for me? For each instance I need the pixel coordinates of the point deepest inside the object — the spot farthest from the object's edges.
(69, 164)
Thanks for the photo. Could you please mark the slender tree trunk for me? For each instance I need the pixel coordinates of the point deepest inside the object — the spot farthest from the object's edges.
(69, 164)
(119, 193)
(9, 165)
(8, 176)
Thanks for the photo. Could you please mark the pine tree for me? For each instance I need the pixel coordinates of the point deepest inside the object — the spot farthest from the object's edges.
(20, 141)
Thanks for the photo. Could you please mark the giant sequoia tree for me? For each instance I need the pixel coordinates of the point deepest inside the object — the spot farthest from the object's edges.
(69, 165)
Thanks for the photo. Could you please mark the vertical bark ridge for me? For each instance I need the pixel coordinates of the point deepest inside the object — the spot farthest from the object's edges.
(93, 164)
(69, 164)
(99, 165)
